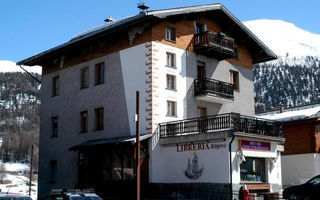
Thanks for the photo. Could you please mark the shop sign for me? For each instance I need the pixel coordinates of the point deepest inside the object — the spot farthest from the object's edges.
(254, 145)
(200, 146)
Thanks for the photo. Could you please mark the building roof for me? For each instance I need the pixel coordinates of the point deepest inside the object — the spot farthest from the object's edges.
(263, 53)
(294, 114)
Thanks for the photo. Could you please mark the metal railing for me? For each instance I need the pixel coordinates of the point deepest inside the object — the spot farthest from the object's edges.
(222, 122)
(214, 40)
(215, 87)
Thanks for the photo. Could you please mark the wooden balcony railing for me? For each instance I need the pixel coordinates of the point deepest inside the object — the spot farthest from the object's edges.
(222, 122)
(212, 44)
(214, 87)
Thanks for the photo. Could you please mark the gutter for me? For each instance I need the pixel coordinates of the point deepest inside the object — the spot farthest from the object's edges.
(230, 165)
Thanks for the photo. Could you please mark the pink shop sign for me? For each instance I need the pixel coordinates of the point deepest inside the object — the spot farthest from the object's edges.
(254, 145)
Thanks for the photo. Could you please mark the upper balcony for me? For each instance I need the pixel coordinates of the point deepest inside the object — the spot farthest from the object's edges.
(213, 91)
(214, 45)
(219, 123)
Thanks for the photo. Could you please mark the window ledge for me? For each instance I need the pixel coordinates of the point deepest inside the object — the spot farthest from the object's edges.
(173, 41)
(173, 90)
(83, 88)
(172, 67)
(175, 116)
(97, 130)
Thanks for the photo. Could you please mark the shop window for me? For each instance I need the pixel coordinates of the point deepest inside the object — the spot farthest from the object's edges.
(53, 171)
(253, 170)
(55, 126)
(85, 77)
(171, 82)
(99, 119)
(55, 86)
(171, 60)
(234, 79)
(99, 73)
(84, 121)
(171, 108)
(170, 34)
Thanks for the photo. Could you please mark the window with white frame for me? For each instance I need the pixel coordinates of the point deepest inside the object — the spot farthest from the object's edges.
(171, 108)
(170, 34)
(171, 59)
(171, 82)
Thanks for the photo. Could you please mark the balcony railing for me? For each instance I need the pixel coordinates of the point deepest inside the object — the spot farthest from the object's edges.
(222, 122)
(213, 87)
(212, 44)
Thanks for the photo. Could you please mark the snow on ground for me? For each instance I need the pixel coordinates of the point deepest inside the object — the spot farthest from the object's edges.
(16, 167)
(10, 66)
(17, 182)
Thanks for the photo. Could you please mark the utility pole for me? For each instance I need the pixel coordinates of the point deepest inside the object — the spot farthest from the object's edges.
(138, 143)
(30, 173)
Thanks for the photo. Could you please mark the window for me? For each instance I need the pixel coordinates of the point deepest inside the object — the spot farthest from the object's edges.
(171, 108)
(171, 82)
(253, 170)
(55, 126)
(99, 119)
(55, 86)
(171, 60)
(171, 34)
(99, 73)
(85, 77)
(53, 171)
(84, 121)
(234, 79)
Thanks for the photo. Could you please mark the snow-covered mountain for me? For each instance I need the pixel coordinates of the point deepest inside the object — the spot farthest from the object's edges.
(10, 66)
(285, 39)
(294, 78)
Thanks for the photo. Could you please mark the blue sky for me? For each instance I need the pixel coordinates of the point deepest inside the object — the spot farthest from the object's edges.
(28, 27)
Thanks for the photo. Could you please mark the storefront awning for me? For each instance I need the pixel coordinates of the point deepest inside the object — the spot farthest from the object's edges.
(117, 140)
(259, 154)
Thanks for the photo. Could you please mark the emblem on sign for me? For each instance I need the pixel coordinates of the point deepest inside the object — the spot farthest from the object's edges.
(193, 171)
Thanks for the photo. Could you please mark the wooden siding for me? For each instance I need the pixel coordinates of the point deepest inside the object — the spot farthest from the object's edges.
(300, 138)
(185, 30)
(317, 137)
(95, 49)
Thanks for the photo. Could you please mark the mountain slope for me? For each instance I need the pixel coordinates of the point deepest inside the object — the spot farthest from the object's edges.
(294, 78)
(285, 39)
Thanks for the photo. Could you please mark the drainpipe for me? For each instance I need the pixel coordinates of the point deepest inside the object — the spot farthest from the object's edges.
(230, 163)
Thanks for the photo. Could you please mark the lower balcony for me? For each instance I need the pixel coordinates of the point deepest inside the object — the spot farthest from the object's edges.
(213, 91)
(222, 122)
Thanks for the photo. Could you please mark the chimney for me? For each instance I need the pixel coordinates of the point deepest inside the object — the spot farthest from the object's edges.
(109, 19)
(142, 7)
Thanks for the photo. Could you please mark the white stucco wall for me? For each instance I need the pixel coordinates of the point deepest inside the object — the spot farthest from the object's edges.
(297, 169)
(133, 71)
(169, 164)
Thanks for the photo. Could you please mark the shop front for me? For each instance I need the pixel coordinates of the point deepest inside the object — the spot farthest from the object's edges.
(257, 165)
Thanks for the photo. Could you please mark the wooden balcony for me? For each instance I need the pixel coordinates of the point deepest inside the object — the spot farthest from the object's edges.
(222, 122)
(213, 91)
(215, 45)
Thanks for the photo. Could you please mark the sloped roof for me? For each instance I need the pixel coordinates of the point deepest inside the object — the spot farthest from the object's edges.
(294, 114)
(264, 53)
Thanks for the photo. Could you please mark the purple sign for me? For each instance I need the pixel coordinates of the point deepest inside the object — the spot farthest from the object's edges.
(254, 145)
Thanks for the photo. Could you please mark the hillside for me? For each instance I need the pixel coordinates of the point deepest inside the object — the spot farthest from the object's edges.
(19, 112)
(294, 78)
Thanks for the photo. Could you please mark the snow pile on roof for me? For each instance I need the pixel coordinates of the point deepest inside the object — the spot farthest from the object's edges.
(10, 66)
(292, 115)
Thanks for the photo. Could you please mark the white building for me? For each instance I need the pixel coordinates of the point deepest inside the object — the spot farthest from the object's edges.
(193, 68)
